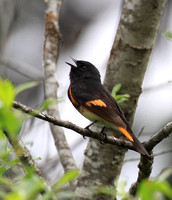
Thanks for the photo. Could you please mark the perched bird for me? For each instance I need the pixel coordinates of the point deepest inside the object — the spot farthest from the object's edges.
(94, 102)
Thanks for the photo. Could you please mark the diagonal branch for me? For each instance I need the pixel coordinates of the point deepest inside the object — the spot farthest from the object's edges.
(159, 136)
(66, 124)
(26, 159)
(145, 164)
(23, 154)
(150, 144)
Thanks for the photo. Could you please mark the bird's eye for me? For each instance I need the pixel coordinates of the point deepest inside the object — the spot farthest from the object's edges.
(83, 68)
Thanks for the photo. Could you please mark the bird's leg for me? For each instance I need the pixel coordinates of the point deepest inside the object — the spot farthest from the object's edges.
(88, 127)
(104, 134)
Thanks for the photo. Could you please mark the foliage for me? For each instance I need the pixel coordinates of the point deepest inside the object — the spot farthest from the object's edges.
(154, 190)
(168, 35)
(57, 188)
(15, 183)
(46, 104)
(25, 86)
(119, 98)
(8, 119)
(148, 190)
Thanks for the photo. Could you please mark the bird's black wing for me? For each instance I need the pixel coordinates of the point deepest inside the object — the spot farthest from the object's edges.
(97, 100)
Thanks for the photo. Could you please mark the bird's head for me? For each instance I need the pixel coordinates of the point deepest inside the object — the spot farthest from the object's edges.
(83, 70)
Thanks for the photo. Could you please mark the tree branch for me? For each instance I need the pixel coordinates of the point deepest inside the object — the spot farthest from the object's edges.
(51, 50)
(23, 153)
(128, 61)
(26, 159)
(145, 169)
(159, 136)
(150, 144)
(66, 124)
(145, 164)
(155, 155)
(22, 68)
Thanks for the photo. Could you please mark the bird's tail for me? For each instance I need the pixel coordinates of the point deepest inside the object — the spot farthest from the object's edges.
(139, 146)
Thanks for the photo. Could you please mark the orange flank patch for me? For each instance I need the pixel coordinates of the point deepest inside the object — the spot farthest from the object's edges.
(126, 133)
(96, 102)
(71, 97)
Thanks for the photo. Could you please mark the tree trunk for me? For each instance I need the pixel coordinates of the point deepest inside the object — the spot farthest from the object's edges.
(128, 61)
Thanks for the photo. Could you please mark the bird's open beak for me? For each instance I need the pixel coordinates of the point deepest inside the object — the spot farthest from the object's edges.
(73, 66)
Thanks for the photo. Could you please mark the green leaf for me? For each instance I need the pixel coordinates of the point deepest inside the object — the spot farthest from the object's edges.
(3, 146)
(66, 178)
(2, 170)
(46, 104)
(4, 151)
(153, 190)
(12, 163)
(65, 195)
(7, 93)
(26, 86)
(121, 97)
(38, 158)
(106, 190)
(122, 100)
(116, 89)
(8, 121)
(121, 189)
(27, 188)
(5, 181)
(15, 195)
(168, 35)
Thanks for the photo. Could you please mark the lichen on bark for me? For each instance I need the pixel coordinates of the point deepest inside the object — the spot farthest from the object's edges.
(127, 65)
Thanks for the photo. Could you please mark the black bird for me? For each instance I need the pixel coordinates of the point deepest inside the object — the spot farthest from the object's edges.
(94, 102)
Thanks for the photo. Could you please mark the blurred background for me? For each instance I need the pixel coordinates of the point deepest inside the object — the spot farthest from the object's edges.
(88, 29)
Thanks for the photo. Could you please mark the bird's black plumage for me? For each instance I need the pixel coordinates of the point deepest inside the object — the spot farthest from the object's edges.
(93, 101)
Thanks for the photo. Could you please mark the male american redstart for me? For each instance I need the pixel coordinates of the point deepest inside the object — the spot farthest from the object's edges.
(90, 98)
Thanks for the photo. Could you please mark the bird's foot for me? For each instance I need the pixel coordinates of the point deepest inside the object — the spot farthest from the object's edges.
(103, 134)
(88, 127)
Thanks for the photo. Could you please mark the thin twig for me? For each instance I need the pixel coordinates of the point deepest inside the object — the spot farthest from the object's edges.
(141, 131)
(159, 136)
(155, 155)
(25, 69)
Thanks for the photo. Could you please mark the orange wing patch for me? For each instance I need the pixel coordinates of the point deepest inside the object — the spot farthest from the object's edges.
(71, 97)
(126, 133)
(97, 102)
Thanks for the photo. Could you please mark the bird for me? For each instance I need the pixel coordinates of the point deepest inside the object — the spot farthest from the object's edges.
(93, 101)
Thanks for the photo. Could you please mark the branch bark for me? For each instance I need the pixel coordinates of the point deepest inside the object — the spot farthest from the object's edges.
(26, 159)
(66, 124)
(145, 164)
(127, 65)
(51, 49)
